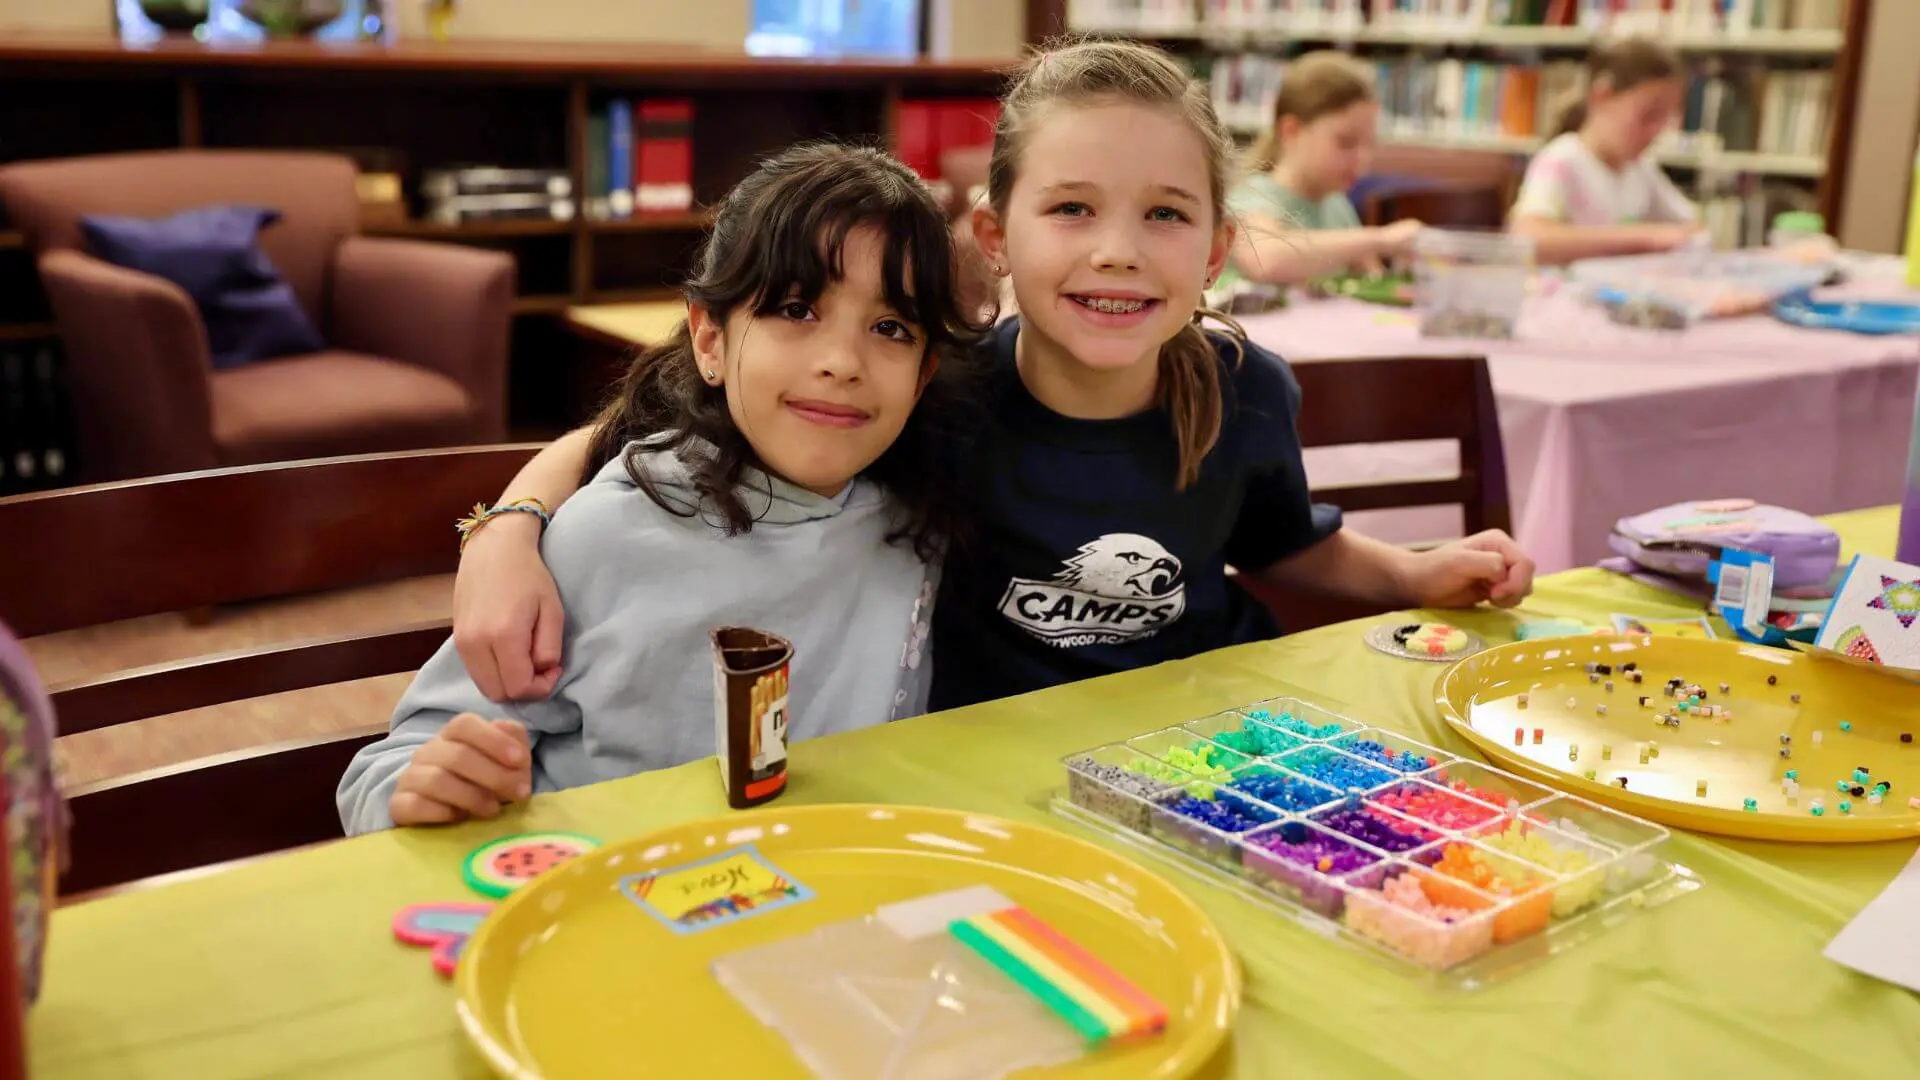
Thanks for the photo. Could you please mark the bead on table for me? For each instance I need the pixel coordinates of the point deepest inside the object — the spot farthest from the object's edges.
(1700, 789)
(1519, 736)
(1818, 736)
(1606, 752)
(1846, 725)
(1539, 735)
(1750, 804)
(1573, 751)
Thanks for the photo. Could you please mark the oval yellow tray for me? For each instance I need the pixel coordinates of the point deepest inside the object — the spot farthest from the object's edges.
(1738, 759)
(569, 978)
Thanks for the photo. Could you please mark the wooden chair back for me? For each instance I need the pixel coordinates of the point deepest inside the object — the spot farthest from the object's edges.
(108, 552)
(1453, 206)
(1398, 399)
(1449, 165)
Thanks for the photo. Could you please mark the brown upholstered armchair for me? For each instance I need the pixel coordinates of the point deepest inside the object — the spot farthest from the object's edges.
(417, 332)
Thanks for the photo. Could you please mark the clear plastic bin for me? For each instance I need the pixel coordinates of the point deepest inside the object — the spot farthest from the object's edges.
(1499, 872)
(1470, 284)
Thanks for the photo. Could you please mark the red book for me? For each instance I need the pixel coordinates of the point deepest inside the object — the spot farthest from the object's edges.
(917, 139)
(967, 122)
(663, 157)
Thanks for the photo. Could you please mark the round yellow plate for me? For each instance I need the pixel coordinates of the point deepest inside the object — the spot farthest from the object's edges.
(570, 978)
(1738, 759)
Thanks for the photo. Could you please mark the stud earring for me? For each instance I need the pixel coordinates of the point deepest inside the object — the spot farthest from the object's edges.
(998, 269)
(710, 374)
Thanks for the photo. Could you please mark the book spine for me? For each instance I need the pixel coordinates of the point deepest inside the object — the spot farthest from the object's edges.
(663, 157)
(620, 158)
(598, 180)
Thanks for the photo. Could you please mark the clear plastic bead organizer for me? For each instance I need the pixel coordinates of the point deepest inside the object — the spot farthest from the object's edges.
(1456, 872)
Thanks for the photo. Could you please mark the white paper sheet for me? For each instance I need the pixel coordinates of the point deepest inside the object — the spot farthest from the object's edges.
(1884, 939)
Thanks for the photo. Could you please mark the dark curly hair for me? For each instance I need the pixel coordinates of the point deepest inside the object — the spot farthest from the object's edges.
(779, 233)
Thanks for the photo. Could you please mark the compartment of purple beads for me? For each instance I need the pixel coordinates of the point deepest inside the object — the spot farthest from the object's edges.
(1297, 860)
(1204, 818)
(1376, 828)
(1380, 746)
(1340, 771)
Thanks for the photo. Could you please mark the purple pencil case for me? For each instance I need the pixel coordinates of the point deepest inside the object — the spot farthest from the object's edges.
(1683, 539)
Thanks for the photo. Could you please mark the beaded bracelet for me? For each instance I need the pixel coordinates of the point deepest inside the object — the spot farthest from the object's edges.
(482, 513)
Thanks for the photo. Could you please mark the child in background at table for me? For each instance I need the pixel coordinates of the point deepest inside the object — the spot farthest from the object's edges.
(1295, 220)
(772, 465)
(1593, 190)
(1127, 456)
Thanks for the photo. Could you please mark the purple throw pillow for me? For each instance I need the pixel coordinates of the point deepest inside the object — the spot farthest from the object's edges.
(213, 254)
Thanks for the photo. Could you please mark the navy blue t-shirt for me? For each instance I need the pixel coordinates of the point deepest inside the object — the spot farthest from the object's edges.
(1086, 559)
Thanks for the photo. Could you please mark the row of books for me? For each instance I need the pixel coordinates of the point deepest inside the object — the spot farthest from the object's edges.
(639, 158)
(1452, 16)
(37, 438)
(1727, 107)
(488, 193)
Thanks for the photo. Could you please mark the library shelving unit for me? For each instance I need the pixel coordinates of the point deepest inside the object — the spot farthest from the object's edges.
(423, 105)
(1769, 114)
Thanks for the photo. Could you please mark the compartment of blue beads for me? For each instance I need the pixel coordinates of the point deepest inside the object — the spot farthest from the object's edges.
(1396, 752)
(1296, 717)
(1202, 818)
(1336, 769)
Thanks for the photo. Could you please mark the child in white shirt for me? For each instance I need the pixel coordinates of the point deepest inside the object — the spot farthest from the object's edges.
(1593, 190)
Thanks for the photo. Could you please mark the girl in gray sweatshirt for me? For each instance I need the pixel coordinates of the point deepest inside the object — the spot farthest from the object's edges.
(777, 463)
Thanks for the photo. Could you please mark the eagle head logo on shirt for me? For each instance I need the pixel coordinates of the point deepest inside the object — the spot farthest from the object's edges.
(1120, 587)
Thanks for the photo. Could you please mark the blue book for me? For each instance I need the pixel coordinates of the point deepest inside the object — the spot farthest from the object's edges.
(620, 157)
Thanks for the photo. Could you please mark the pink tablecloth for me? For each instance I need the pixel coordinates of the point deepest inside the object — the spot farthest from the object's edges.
(1602, 420)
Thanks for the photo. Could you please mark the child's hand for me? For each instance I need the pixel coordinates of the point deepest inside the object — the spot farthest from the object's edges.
(506, 612)
(1666, 236)
(1484, 566)
(1397, 239)
(469, 770)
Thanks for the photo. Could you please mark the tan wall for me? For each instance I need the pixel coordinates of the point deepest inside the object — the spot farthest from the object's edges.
(58, 15)
(962, 30)
(1886, 127)
(711, 24)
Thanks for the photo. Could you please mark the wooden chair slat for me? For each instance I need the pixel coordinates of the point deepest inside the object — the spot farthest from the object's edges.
(1387, 400)
(110, 552)
(206, 811)
(138, 693)
(106, 552)
(1454, 491)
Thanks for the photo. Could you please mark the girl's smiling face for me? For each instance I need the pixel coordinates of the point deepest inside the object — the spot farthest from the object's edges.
(1110, 233)
(820, 389)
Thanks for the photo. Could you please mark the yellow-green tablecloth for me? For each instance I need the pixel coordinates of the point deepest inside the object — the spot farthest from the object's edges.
(285, 968)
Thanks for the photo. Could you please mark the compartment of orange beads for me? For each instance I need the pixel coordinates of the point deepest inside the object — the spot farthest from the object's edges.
(1466, 871)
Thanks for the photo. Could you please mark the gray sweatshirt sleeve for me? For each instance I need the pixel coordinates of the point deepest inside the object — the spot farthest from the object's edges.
(441, 691)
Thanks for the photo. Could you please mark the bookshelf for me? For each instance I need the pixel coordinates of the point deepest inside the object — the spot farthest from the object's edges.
(424, 105)
(1768, 123)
